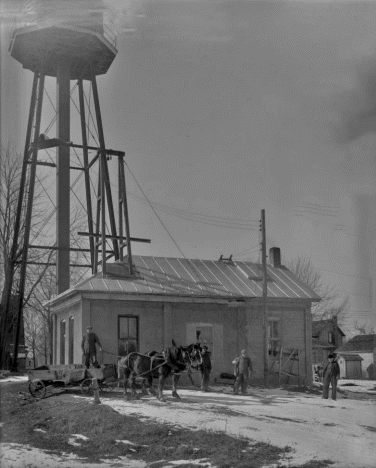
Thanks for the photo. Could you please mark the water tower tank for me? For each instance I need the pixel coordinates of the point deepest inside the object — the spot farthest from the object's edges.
(70, 31)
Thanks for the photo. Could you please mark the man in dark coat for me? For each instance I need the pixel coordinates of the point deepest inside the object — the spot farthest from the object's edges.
(331, 375)
(242, 371)
(89, 340)
(205, 368)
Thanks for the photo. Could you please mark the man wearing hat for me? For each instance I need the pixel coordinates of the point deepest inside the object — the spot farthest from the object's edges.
(331, 375)
(88, 347)
(242, 371)
(205, 368)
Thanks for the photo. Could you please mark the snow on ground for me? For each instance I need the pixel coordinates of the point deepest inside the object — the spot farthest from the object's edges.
(343, 431)
(21, 456)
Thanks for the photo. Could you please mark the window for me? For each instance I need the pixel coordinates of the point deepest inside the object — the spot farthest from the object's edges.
(274, 340)
(330, 338)
(71, 340)
(127, 335)
(62, 342)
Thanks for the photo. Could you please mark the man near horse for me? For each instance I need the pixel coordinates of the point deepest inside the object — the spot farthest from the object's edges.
(88, 346)
(242, 371)
(205, 368)
(172, 360)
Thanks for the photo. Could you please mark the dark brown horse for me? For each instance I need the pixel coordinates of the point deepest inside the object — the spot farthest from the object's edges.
(154, 365)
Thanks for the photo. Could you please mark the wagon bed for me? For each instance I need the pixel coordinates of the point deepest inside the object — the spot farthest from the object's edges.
(70, 375)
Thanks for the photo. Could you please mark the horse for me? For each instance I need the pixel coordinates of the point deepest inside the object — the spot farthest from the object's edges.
(172, 360)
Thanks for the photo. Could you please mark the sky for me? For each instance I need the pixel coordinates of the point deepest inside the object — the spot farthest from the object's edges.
(225, 108)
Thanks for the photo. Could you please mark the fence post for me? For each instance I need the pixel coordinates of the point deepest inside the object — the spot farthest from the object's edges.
(95, 388)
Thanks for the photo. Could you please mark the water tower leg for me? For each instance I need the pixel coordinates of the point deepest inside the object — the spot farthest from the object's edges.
(28, 216)
(63, 178)
(87, 175)
(9, 279)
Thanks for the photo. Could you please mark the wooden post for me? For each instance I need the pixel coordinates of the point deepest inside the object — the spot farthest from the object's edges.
(95, 388)
(264, 303)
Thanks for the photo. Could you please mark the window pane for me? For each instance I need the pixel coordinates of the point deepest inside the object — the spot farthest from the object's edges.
(123, 327)
(126, 347)
(132, 327)
(275, 328)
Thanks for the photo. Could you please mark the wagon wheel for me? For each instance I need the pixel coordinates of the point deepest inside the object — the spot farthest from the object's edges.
(86, 388)
(37, 388)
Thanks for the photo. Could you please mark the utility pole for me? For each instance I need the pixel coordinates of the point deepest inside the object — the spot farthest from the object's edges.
(264, 300)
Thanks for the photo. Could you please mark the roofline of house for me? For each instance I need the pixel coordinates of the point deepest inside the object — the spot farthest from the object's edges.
(231, 301)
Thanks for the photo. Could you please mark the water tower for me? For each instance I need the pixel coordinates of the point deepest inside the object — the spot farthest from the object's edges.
(64, 40)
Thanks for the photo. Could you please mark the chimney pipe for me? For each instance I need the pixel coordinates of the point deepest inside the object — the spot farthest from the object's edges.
(275, 257)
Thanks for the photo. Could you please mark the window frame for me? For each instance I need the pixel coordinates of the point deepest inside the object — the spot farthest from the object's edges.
(273, 351)
(137, 339)
(71, 340)
(63, 326)
(330, 337)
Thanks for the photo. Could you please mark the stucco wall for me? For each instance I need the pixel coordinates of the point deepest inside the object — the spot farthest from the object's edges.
(64, 313)
(231, 329)
(104, 319)
(294, 326)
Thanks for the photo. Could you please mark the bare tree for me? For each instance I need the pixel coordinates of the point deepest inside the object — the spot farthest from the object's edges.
(332, 303)
(364, 329)
(40, 282)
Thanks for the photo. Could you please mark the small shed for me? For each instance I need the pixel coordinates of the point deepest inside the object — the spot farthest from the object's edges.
(217, 303)
(365, 347)
(350, 366)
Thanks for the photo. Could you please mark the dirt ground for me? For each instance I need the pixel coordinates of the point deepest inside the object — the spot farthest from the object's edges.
(268, 428)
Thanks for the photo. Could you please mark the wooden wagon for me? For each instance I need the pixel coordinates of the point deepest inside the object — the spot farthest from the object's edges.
(71, 375)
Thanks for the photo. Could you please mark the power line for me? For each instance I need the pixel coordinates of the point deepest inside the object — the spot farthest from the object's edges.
(344, 274)
(217, 221)
(156, 214)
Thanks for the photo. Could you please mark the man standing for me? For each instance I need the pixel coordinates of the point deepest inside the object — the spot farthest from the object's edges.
(331, 375)
(89, 340)
(205, 369)
(242, 371)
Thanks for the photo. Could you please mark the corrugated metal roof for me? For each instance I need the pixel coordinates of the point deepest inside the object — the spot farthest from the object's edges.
(200, 278)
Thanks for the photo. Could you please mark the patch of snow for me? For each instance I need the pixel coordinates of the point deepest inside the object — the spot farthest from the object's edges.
(197, 461)
(19, 456)
(14, 378)
(73, 440)
(128, 442)
(80, 436)
(40, 430)
(358, 386)
(343, 429)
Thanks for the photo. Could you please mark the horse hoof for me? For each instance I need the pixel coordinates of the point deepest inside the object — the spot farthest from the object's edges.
(175, 395)
(127, 397)
(163, 400)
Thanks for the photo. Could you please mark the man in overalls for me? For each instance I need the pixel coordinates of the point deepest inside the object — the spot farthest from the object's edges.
(89, 340)
(242, 371)
(331, 375)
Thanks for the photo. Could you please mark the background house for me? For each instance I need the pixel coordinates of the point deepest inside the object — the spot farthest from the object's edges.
(218, 303)
(326, 337)
(363, 346)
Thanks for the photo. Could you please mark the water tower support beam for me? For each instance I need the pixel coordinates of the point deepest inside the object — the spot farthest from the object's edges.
(29, 209)
(104, 172)
(123, 208)
(87, 175)
(15, 244)
(63, 177)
